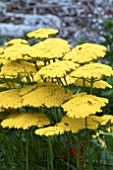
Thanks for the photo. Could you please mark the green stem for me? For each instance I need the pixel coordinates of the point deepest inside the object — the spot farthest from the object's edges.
(28, 78)
(49, 62)
(22, 149)
(69, 140)
(86, 123)
(36, 65)
(44, 80)
(84, 82)
(6, 81)
(9, 156)
(52, 80)
(65, 81)
(78, 150)
(19, 80)
(32, 77)
(27, 150)
(45, 63)
(55, 115)
(50, 155)
(53, 59)
(86, 138)
(59, 80)
(91, 86)
(87, 142)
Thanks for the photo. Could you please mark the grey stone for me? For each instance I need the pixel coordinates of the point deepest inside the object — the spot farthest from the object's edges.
(45, 20)
(75, 19)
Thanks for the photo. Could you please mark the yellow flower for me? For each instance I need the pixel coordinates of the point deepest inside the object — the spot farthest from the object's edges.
(69, 124)
(110, 128)
(51, 48)
(42, 33)
(25, 120)
(102, 142)
(100, 139)
(106, 118)
(83, 105)
(49, 131)
(16, 41)
(28, 88)
(100, 84)
(17, 67)
(92, 122)
(86, 52)
(45, 94)
(92, 70)
(19, 52)
(75, 125)
(95, 118)
(10, 99)
(58, 69)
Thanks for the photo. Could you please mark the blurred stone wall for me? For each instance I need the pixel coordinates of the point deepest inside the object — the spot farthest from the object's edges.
(75, 19)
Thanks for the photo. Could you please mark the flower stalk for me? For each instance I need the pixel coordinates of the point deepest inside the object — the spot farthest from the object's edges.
(50, 155)
(27, 150)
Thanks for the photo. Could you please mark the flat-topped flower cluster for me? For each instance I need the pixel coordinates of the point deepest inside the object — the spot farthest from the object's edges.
(39, 76)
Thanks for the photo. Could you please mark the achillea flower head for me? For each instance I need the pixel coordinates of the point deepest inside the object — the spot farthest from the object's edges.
(19, 52)
(46, 94)
(83, 105)
(85, 53)
(10, 99)
(75, 125)
(28, 88)
(25, 120)
(49, 131)
(14, 68)
(92, 70)
(42, 33)
(95, 118)
(11, 53)
(69, 124)
(92, 122)
(16, 41)
(100, 84)
(52, 48)
(58, 69)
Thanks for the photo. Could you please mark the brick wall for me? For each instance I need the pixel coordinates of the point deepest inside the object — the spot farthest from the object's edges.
(75, 19)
